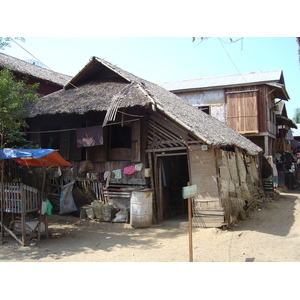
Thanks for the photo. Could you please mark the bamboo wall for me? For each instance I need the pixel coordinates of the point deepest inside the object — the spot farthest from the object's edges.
(240, 185)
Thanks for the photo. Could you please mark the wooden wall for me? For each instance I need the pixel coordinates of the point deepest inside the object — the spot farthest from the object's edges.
(228, 183)
(242, 112)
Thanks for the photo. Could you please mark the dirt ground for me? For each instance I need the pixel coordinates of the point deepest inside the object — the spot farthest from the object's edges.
(270, 234)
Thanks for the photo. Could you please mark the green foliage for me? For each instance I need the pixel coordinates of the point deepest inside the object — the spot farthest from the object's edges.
(296, 119)
(15, 99)
(6, 41)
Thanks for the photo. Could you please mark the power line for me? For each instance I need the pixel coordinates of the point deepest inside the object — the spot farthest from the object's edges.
(117, 111)
(221, 42)
(59, 75)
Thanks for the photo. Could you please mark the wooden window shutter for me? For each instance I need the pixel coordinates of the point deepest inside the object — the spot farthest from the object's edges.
(242, 112)
(136, 141)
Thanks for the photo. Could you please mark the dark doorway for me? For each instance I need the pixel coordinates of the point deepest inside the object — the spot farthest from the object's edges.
(174, 175)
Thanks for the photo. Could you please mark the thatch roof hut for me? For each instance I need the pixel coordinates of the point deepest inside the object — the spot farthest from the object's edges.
(163, 134)
(81, 95)
(25, 69)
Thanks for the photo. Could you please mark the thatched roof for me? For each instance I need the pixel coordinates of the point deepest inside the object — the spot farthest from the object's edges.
(100, 83)
(22, 67)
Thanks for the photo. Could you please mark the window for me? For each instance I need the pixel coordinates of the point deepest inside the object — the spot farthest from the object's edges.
(125, 142)
(120, 136)
(205, 109)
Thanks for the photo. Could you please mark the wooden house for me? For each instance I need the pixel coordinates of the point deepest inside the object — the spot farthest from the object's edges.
(49, 81)
(286, 147)
(245, 102)
(284, 126)
(130, 134)
(296, 149)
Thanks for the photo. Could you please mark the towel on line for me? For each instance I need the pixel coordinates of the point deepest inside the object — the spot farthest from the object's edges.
(138, 167)
(117, 173)
(129, 170)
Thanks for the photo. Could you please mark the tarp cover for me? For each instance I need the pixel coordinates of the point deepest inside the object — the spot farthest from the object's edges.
(89, 136)
(34, 157)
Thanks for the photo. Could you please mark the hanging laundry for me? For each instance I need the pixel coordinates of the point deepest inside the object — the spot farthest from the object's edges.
(117, 173)
(106, 177)
(138, 167)
(129, 170)
(57, 173)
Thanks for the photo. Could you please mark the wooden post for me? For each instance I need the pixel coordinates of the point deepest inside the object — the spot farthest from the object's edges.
(190, 227)
(23, 224)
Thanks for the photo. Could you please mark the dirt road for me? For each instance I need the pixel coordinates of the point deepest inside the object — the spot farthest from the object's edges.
(271, 234)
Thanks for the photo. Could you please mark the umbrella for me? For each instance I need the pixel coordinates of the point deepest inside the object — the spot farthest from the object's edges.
(45, 158)
(34, 157)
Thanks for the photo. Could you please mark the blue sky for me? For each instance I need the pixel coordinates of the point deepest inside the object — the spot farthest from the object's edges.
(160, 59)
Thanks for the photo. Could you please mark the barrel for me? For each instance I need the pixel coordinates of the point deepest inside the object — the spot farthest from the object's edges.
(141, 208)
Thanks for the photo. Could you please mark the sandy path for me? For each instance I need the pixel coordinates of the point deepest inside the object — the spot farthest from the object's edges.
(271, 234)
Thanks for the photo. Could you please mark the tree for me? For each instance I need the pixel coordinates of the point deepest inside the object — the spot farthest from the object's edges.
(296, 119)
(6, 41)
(15, 99)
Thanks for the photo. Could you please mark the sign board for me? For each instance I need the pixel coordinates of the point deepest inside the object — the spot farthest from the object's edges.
(189, 191)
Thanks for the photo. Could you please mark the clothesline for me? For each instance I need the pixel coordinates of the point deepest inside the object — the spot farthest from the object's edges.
(130, 170)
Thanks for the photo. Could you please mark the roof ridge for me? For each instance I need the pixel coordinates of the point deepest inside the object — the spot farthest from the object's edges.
(220, 76)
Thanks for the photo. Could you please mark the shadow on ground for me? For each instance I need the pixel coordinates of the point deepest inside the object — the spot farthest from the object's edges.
(274, 217)
(71, 235)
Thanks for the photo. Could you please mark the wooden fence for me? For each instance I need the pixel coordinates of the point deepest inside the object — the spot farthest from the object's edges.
(20, 198)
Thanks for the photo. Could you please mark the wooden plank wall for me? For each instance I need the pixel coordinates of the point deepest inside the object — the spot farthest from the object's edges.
(255, 104)
(242, 112)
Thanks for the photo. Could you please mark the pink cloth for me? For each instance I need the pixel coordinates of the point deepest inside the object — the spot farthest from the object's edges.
(129, 170)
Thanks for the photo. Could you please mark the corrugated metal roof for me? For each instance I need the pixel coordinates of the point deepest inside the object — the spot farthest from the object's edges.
(228, 80)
